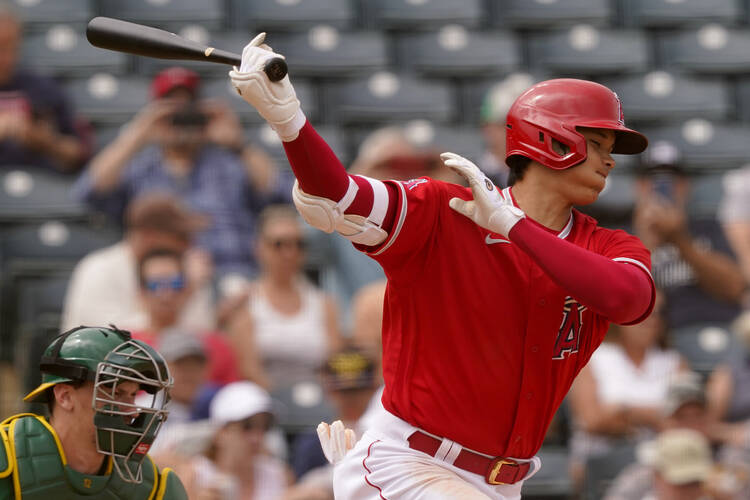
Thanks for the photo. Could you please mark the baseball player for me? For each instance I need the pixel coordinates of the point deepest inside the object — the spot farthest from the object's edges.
(95, 442)
(495, 299)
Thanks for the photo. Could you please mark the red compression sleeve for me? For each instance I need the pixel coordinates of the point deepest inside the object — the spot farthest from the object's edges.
(320, 173)
(619, 291)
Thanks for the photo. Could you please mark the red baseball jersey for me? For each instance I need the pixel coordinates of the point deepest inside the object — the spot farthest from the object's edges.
(480, 345)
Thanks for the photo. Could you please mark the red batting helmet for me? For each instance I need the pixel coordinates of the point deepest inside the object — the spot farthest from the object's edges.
(553, 109)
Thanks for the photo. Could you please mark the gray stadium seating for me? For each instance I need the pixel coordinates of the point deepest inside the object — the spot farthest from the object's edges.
(166, 13)
(38, 14)
(62, 50)
(706, 145)
(704, 345)
(324, 51)
(617, 198)
(528, 14)
(383, 97)
(266, 138)
(705, 195)
(288, 15)
(31, 194)
(601, 471)
(292, 415)
(663, 96)
(668, 13)
(743, 98)
(454, 51)
(586, 50)
(405, 14)
(105, 98)
(553, 479)
(710, 49)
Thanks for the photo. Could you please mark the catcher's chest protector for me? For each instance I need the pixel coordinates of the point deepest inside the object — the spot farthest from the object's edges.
(38, 472)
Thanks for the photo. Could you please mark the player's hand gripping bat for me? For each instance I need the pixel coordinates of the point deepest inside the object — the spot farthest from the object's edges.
(123, 36)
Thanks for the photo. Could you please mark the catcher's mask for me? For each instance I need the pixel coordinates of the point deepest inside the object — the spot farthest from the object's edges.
(124, 430)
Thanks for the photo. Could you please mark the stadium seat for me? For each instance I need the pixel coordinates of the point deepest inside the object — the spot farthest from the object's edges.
(267, 139)
(385, 96)
(553, 479)
(276, 15)
(301, 407)
(106, 98)
(743, 97)
(424, 14)
(664, 96)
(712, 48)
(51, 246)
(601, 471)
(668, 13)
(706, 145)
(585, 50)
(453, 51)
(222, 88)
(166, 13)
(30, 194)
(324, 51)
(617, 198)
(38, 14)
(62, 50)
(546, 14)
(703, 345)
(474, 91)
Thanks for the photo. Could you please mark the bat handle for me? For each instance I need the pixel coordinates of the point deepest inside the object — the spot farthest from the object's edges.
(276, 69)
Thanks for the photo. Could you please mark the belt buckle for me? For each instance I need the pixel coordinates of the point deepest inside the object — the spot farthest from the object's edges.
(494, 470)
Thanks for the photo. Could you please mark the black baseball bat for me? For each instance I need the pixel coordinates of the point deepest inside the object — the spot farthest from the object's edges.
(124, 36)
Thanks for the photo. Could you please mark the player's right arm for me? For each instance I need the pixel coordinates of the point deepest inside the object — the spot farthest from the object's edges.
(359, 208)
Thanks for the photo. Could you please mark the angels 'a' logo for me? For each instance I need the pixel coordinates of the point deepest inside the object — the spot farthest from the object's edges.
(569, 334)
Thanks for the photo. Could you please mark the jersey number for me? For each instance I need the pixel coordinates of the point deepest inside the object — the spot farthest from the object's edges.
(569, 334)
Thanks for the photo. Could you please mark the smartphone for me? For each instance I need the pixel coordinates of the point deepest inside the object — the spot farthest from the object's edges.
(663, 185)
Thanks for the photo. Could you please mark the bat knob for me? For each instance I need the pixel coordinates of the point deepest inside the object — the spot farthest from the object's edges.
(276, 69)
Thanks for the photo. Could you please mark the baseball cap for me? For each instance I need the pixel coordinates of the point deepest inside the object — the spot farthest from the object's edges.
(661, 156)
(349, 369)
(684, 388)
(176, 344)
(238, 401)
(682, 456)
(172, 78)
(164, 213)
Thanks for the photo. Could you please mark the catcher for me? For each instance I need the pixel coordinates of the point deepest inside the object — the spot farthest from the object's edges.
(96, 440)
(495, 299)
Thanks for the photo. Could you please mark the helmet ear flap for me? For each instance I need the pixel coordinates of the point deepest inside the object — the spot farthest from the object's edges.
(554, 144)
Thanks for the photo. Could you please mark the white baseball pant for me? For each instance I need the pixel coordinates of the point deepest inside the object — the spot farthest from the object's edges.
(381, 466)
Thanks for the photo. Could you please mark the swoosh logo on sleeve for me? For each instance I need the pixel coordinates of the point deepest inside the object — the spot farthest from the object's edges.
(490, 240)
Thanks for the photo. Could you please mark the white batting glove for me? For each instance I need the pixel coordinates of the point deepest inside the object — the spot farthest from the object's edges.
(275, 101)
(488, 209)
(336, 440)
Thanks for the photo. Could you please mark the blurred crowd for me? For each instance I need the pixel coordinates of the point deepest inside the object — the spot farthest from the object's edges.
(213, 269)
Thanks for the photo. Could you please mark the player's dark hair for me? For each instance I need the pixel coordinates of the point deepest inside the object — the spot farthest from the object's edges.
(518, 165)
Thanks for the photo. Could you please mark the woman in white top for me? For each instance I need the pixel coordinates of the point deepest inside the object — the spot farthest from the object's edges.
(288, 326)
(619, 395)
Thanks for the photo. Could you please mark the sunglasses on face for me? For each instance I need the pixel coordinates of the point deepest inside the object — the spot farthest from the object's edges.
(175, 283)
(293, 243)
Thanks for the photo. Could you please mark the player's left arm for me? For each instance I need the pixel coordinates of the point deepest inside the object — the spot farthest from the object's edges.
(617, 287)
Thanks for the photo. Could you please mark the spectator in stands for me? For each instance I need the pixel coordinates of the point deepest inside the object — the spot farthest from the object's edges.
(367, 320)
(196, 150)
(287, 326)
(678, 464)
(350, 381)
(236, 465)
(617, 396)
(104, 286)
(495, 106)
(734, 214)
(37, 125)
(163, 291)
(187, 362)
(690, 258)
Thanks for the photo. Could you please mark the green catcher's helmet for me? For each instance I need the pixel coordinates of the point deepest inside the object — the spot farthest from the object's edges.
(108, 357)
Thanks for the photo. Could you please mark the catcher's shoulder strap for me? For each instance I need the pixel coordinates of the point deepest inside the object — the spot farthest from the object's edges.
(6, 463)
(170, 486)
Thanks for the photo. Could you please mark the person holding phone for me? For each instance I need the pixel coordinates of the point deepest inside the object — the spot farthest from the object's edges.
(691, 260)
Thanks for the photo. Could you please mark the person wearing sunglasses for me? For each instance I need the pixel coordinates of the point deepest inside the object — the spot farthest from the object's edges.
(287, 326)
(163, 290)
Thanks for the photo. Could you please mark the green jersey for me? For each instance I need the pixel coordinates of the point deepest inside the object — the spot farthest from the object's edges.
(33, 467)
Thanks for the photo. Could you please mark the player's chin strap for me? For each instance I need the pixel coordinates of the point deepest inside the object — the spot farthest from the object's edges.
(327, 215)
